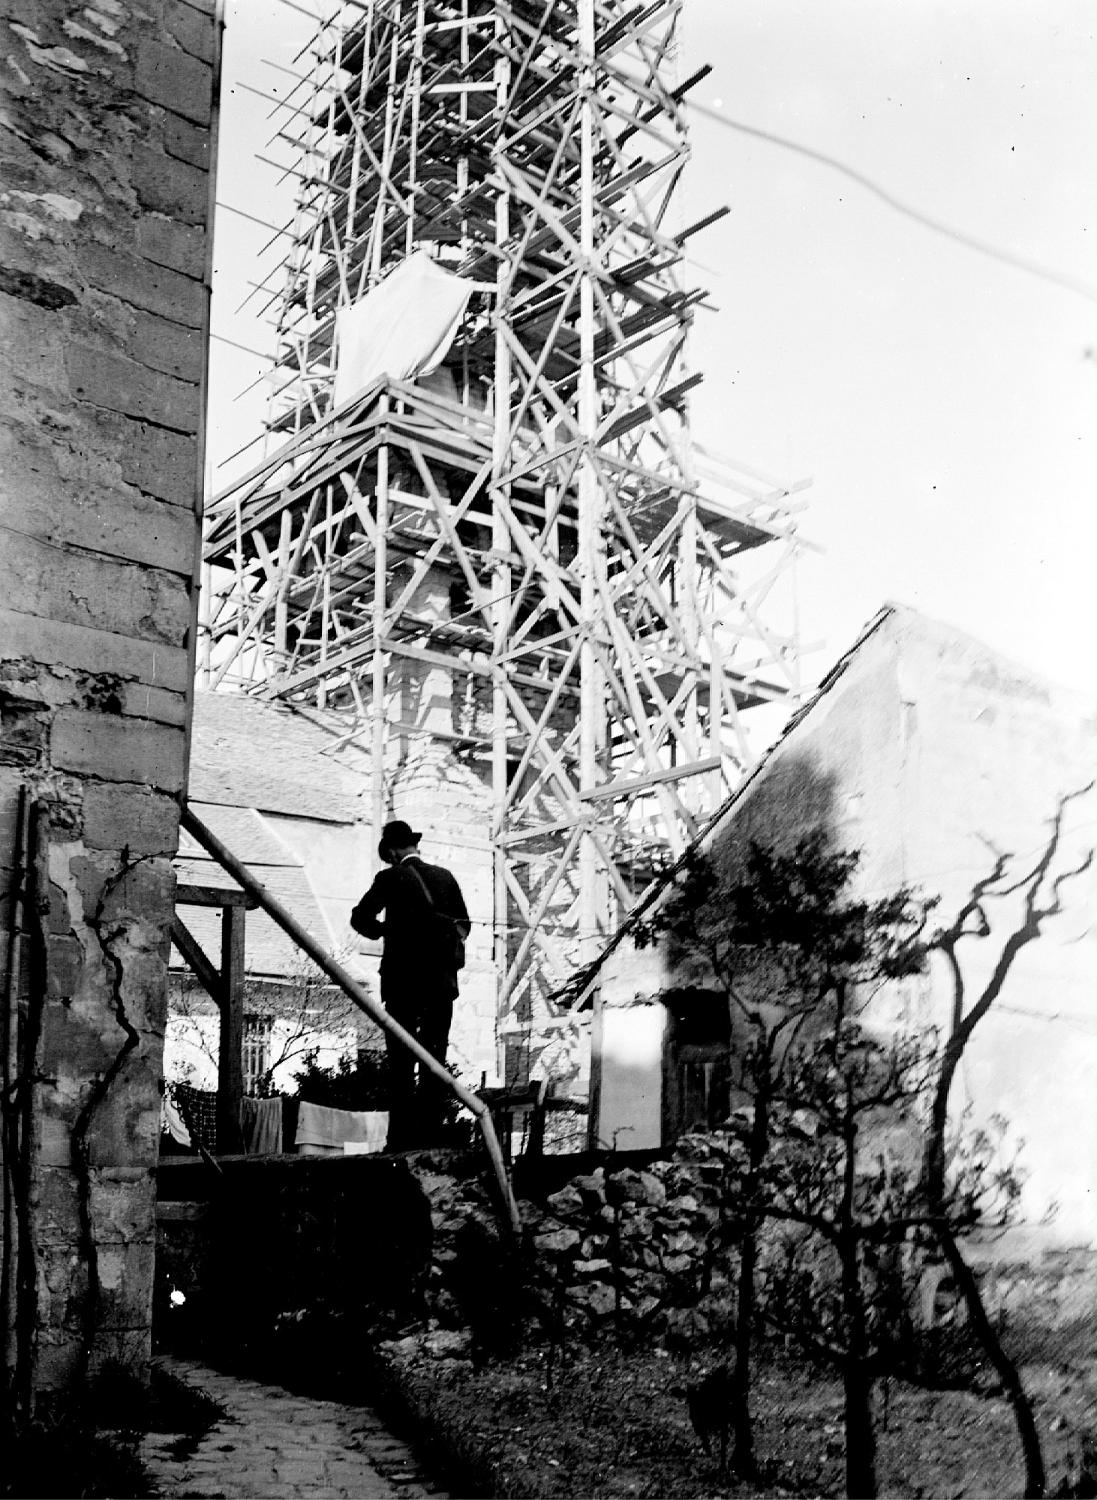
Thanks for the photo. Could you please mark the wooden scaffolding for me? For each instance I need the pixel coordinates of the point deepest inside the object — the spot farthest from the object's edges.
(530, 524)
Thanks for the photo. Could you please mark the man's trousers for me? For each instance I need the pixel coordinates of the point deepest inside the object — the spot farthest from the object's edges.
(416, 1108)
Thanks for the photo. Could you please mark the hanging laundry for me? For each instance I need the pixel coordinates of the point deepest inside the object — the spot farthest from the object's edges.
(261, 1126)
(198, 1108)
(171, 1121)
(322, 1131)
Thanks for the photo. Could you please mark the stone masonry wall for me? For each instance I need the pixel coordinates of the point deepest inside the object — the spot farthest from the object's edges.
(106, 113)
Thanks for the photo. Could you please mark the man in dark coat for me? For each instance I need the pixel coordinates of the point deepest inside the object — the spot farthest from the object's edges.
(424, 932)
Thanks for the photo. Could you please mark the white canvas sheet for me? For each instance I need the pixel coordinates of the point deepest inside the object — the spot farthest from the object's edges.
(403, 327)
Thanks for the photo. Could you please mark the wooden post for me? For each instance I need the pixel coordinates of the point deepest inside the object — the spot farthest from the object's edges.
(230, 1070)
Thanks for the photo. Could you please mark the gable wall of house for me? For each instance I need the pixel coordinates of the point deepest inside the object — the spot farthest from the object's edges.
(926, 749)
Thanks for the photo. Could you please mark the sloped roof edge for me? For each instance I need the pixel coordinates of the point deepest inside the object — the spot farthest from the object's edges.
(888, 612)
(649, 897)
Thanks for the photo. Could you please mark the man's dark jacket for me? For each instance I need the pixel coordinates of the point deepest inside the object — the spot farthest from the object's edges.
(420, 949)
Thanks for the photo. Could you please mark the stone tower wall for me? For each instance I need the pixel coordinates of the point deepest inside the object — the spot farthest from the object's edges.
(105, 159)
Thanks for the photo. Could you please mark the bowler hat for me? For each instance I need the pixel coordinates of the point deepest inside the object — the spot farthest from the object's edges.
(398, 835)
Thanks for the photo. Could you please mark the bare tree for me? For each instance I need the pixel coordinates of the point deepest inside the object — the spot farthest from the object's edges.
(1040, 892)
(789, 946)
(301, 1009)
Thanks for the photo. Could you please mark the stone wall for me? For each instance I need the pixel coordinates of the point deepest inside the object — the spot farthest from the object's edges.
(271, 1249)
(105, 178)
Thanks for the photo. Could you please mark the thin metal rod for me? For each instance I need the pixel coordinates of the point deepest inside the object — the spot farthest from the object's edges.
(10, 1146)
(360, 997)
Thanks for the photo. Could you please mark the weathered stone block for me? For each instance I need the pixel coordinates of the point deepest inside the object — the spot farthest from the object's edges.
(81, 1038)
(127, 816)
(169, 186)
(59, 1202)
(65, 965)
(193, 28)
(54, 1141)
(57, 1364)
(597, 1300)
(169, 76)
(557, 1242)
(141, 702)
(28, 635)
(23, 730)
(595, 1269)
(33, 340)
(132, 1132)
(84, 589)
(147, 283)
(122, 385)
(157, 461)
(40, 290)
(125, 1284)
(118, 749)
(187, 143)
(123, 1204)
(143, 897)
(178, 247)
(168, 347)
(61, 1284)
(94, 516)
(11, 779)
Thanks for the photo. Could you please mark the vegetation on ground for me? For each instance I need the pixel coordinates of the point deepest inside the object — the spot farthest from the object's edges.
(91, 1449)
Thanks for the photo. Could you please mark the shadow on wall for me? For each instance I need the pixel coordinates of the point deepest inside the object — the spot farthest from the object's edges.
(789, 799)
(668, 1042)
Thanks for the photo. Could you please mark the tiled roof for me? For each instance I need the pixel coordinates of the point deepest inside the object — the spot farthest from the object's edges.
(254, 765)
(247, 753)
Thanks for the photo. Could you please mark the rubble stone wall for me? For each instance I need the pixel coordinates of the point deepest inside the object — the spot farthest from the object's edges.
(104, 201)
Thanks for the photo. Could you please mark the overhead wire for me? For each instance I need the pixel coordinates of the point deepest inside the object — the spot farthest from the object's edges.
(960, 236)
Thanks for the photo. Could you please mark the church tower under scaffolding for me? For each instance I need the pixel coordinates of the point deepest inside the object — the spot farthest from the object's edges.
(482, 532)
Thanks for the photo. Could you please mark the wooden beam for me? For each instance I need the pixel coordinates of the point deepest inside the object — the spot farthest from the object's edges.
(230, 1068)
(212, 895)
(194, 957)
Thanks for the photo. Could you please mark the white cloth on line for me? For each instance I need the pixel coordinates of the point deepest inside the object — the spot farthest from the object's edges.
(376, 1141)
(403, 327)
(172, 1121)
(322, 1129)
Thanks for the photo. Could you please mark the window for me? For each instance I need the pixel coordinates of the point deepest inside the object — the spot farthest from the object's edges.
(702, 1088)
(697, 1067)
(258, 1032)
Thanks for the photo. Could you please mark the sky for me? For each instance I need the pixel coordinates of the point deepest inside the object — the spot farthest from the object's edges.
(942, 403)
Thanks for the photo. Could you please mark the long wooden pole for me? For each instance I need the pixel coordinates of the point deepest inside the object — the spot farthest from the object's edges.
(355, 992)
